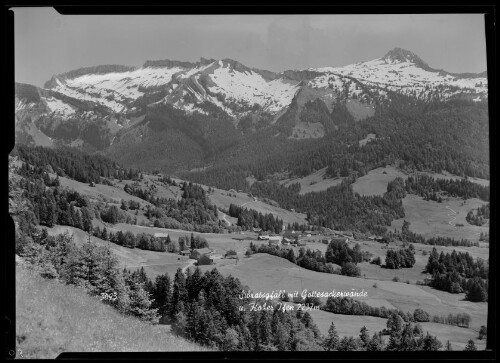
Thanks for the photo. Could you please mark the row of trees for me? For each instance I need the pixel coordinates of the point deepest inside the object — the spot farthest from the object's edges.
(146, 241)
(350, 306)
(143, 241)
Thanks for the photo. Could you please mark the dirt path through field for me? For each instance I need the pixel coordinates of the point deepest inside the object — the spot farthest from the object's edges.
(224, 216)
(191, 263)
(452, 214)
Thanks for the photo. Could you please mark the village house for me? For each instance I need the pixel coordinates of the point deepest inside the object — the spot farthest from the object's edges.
(161, 236)
(231, 254)
(340, 239)
(204, 260)
(196, 254)
(274, 241)
(301, 242)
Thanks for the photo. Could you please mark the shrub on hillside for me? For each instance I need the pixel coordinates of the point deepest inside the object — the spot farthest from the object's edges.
(350, 269)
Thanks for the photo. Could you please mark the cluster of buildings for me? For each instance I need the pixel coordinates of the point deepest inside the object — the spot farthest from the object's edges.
(203, 256)
(299, 238)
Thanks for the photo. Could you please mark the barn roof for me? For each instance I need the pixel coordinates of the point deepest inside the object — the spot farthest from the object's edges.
(160, 235)
(203, 251)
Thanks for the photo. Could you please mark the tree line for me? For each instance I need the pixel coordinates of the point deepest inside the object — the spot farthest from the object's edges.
(428, 187)
(458, 272)
(349, 306)
(250, 218)
(351, 212)
(73, 163)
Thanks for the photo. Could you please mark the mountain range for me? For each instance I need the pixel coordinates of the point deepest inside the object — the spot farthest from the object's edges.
(205, 108)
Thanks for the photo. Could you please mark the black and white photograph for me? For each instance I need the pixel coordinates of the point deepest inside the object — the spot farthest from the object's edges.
(224, 183)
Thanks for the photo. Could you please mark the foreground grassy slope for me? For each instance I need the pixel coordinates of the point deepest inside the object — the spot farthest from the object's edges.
(52, 318)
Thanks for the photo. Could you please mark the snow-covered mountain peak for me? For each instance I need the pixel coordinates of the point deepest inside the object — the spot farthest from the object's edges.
(399, 55)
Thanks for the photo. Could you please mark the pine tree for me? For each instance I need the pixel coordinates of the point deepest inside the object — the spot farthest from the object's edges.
(430, 343)
(375, 344)
(332, 341)
(395, 323)
(140, 303)
(347, 344)
(193, 245)
(265, 328)
(363, 335)
(179, 292)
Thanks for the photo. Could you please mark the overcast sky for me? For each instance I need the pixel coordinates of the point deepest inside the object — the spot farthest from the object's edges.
(47, 43)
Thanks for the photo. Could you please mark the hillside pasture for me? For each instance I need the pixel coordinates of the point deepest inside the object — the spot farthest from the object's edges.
(105, 193)
(375, 182)
(223, 200)
(315, 182)
(431, 219)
